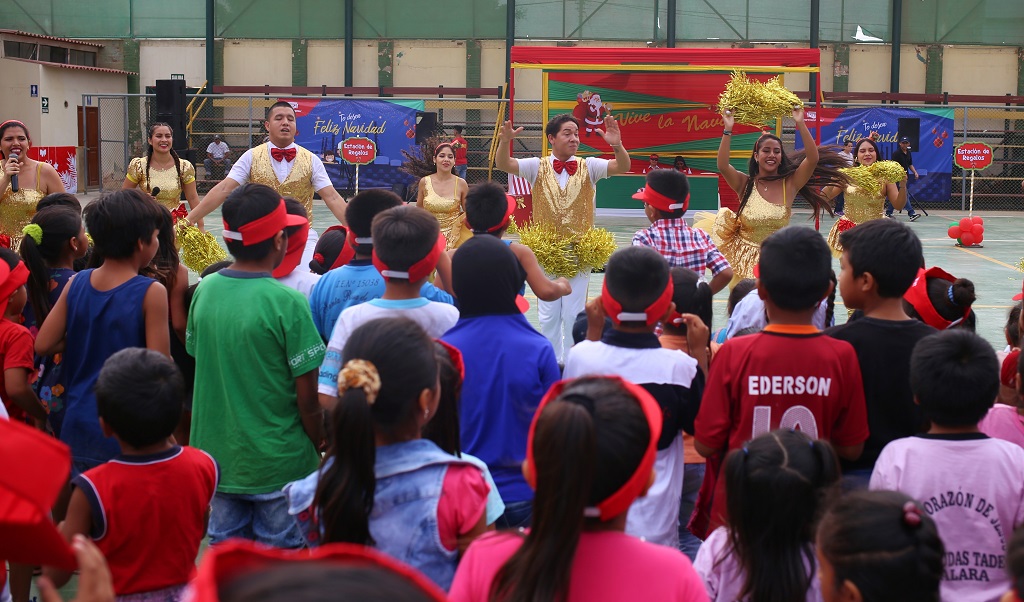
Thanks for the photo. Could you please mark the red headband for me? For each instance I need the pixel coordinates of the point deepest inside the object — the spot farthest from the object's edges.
(917, 296)
(265, 227)
(238, 557)
(509, 210)
(293, 254)
(659, 201)
(455, 356)
(347, 252)
(419, 270)
(651, 314)
(618, 502)
(10, 281)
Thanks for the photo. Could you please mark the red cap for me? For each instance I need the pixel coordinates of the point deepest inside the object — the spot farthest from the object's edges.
(293, 254)
(10, 281)
(652, 313)
(265, 227)
(419, 270)
(1019, 295)
(1009, 369)
(917, 296)
(35, 469)
(659, 201)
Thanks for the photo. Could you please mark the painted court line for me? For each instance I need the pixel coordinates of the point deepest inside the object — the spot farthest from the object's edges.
(987, 258)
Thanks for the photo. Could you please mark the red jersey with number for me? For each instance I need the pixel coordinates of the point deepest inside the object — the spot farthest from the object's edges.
(790, 377)
(149, 515)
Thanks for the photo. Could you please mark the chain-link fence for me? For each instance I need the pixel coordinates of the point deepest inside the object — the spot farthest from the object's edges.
(238, 120)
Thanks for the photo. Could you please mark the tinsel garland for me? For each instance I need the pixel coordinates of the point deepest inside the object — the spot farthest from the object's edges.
(566, 255)
(199, 250)
(870, 178)
(756, 103)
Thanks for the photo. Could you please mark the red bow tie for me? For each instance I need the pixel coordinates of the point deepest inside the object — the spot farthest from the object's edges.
(569, 166)
(283, 154)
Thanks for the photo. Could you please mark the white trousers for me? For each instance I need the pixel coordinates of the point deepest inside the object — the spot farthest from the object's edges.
(557, 317)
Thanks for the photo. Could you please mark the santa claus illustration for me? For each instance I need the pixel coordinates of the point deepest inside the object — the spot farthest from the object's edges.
(590, 108)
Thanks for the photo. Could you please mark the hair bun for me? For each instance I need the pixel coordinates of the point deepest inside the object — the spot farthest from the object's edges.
(360, 374)
(911, 515)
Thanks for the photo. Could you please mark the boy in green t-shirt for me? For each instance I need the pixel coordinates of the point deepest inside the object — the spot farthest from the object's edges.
(257, 353)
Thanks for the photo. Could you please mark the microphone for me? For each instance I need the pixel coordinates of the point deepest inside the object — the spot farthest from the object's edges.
(14, 176)
(156, 191)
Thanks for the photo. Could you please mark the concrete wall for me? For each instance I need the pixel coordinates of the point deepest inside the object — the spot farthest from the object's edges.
(257, 63)
(66, 86)
(430, 63)
(158, 59)
(15, 102)
(974, 70)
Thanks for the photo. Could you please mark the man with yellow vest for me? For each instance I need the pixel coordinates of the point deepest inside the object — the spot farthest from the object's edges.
(284, 166)
(564, 197)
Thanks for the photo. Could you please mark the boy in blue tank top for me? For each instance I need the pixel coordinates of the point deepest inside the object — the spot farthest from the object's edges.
(103, 311)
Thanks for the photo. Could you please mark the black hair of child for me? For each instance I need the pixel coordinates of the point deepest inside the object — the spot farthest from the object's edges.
(246, 204)
(830, 301)
(9, 257)
(330, 244)
(939, 293)
(313, 581)
(742, 289)
(742, 332)
(672, 184)
(888, 250)
(443, 428)
(361, 210)
(404, 235)
(119, 221)
(140, 395)
(486, 205)
(868, 540)
(795, 268)
(1020, 366)
(954, 375)
(1013, 325)
(59, 224)
(555, 124)
(59, 199)
(636, 276)
(457, 128)
(691, 296)
(294, 207)
(404, 357)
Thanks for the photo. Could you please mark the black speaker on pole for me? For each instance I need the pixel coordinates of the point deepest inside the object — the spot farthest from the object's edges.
(170, 109)
(426, 126)
(911, 128)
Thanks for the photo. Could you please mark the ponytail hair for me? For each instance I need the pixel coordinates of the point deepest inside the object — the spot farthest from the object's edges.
(882, 542)
(826, 173)
(789, 474)
(401, 355)
(951, 300)
(59, 224)
(443, 428)
(595, 422)
(691, 296)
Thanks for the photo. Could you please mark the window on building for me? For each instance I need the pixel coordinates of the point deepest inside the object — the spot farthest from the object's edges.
(20, 50)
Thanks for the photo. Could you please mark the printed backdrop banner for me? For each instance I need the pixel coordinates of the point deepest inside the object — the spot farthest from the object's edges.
(931, 141)
(324, 124)
(63, 159)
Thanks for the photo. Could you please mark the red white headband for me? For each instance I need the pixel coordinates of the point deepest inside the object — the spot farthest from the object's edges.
(651, 314)
(618, 502)
(509, 210)
(293, 254)
(659, 201)
(10, 281)
(265, 227)
(347, 252)
(417, 271)
(917, 296)
(455, 356)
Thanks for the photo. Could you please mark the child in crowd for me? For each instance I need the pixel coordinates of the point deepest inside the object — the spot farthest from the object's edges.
(155, 492)
(1007, 421)
(879, 263)
(104, 310)
(691, 296)
(489, 211)
(940, 300)
(381, 483)
(591, 453)
(1008, 357)
(257, 354)
(971, 485)
(666, 197)
(289, 272)
(504, 382)
(16, 390)
(66, 199)
(407, 247)
(637, 295)
(332, 251)
(358, 281)
(738, 292)
(790, 375)
(879, 546)
(777, 485)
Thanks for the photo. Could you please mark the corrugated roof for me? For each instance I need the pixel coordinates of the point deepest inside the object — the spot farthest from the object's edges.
(46, 37)
(66, 66)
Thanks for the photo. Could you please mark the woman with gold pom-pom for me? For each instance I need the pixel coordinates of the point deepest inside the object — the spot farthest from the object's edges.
(162, 173)
(872, 182)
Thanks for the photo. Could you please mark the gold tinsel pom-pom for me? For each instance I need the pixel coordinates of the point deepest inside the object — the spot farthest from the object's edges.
(199, 250)
(566, 255)
(756, 103)
(870, 178)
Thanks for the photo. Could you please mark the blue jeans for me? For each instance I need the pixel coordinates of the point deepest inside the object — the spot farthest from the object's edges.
(840, 202)
(260, 517)
(693, 477)
(889, 208)
(517, 514)
(460, 170)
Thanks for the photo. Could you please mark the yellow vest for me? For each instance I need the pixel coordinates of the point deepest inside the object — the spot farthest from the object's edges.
(298, 184)
(570, 210)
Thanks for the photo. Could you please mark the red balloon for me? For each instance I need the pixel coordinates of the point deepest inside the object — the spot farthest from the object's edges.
(967, 238)
(977, 219)
(965, 224)
(977, 230)
(953, 232)
(978, 239)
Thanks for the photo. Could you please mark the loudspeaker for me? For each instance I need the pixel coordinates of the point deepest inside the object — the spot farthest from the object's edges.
(911, 128)
(178, 128)
(426, 126)
(170, 96)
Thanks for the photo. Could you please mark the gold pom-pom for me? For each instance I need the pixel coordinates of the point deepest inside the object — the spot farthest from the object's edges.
(566, 255)
(888, 171)
(755, 103)
(199, 250)
(871, 178)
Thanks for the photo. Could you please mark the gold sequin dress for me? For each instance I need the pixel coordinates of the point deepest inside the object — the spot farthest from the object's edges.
(449, 215)
(739, 237)
(17, 208)
(164, 179)
(860, 207)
